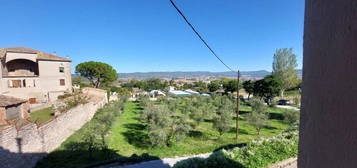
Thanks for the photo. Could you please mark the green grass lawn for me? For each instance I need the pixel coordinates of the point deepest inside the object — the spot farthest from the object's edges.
(41, 116)
(128, 136)
(128, 141)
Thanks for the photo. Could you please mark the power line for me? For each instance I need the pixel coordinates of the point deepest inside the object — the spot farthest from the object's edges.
(201, 38)
(214, 53)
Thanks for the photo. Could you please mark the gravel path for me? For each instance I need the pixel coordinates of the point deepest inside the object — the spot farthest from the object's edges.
(288, 107)
(288, 163)
(169, 162)
(163, 163)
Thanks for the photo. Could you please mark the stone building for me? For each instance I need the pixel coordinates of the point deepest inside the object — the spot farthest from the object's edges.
(12, 108)
(33, 75)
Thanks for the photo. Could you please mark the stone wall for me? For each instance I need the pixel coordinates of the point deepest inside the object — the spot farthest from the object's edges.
(33, 142)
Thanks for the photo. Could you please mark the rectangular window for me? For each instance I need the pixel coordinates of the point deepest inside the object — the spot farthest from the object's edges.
(24, 83)
(62, 82)
(14, 83)
(61, 69)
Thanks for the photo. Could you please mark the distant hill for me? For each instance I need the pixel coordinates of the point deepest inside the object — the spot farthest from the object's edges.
(195, 74)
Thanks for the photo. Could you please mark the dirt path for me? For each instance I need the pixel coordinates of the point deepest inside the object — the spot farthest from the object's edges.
(163, 163)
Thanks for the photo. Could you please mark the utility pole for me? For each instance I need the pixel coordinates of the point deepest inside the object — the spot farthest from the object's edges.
(237, 110)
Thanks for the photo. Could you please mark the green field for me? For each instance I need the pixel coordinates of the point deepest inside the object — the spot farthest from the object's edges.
(41, 116)
(128, 140)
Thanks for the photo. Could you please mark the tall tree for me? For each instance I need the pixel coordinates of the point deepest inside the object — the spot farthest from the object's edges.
(248, 86)
(230, 85)
(214, 85)
(97, 72)
(266, 88)
(284, 65)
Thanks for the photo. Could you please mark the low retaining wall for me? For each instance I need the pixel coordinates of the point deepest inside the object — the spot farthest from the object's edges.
(22, 148)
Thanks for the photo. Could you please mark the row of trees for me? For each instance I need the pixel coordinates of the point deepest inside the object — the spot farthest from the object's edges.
(228, 85)
(147, 85)
(93, 133)
(171, 120)
(266, 89)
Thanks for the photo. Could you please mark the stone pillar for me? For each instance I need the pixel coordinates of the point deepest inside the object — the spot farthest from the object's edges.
(328, 129)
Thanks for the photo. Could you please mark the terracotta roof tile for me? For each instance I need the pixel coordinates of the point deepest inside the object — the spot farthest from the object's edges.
(40, 55)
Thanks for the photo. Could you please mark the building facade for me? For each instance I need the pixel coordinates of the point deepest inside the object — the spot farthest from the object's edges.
(33, 75)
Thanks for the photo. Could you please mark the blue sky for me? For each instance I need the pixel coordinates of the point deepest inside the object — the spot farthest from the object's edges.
(149, 35)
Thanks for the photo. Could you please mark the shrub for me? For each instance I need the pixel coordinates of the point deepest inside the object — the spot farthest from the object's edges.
(64, 96)
(258, 118)
(257, 154)
(158, 118)
(222, 120)
(291, 116)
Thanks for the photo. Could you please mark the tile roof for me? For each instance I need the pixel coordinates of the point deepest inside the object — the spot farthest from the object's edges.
(8, 101)
(40, 55)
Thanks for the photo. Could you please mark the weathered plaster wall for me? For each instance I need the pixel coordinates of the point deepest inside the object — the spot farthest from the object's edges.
(50, 75)
(328, 130)
(37, 141)
(40, 87)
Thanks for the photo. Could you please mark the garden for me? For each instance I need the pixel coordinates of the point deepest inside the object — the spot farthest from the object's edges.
(129, 132)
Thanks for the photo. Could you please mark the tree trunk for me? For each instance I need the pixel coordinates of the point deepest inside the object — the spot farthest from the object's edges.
(282, 93)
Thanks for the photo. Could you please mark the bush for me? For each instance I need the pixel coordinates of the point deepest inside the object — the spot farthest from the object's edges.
(258, 118)
(65, 96)
(257, 154)
(291, 116)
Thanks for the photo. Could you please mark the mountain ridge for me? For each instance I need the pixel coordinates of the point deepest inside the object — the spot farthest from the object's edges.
(197, 74)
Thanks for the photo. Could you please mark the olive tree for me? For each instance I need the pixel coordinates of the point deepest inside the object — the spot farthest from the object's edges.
(223, 119)
(259, 117)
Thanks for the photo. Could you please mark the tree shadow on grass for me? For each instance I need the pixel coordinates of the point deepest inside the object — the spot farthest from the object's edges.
(276, 116)
(241, 131)
(230, 146)
(138, 108)
(270, 128)
(195, 134)
(137, 135)
(243, 112)
(76, 155)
